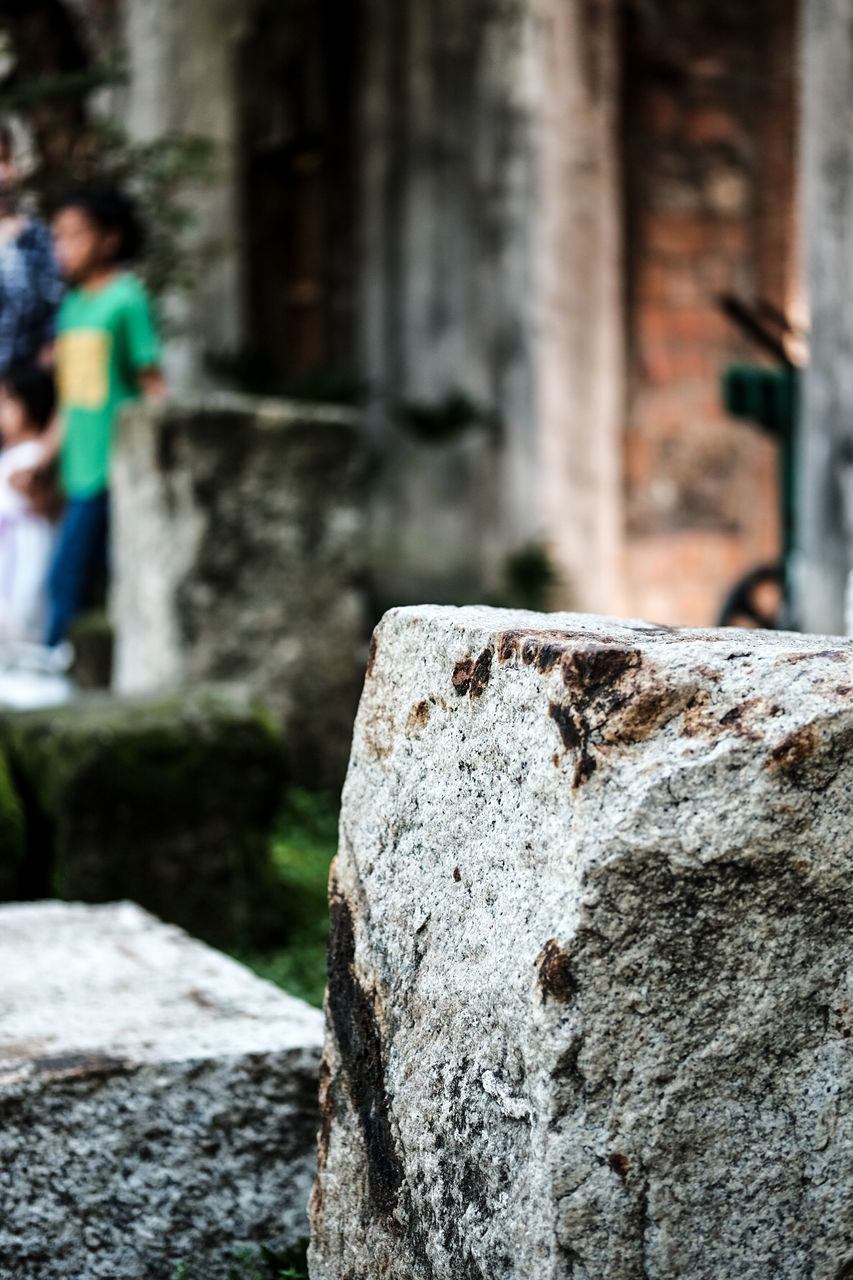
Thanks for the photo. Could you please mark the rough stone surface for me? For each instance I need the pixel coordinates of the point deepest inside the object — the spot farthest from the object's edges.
(167, 800)
(589, 1012)
(158, 1102)
(237, 554)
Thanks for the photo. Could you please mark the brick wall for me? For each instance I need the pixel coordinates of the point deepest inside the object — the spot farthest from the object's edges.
(709, 127)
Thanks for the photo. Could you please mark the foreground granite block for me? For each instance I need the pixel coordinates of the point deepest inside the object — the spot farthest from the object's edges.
(169, 801)
(238, 555)
(590, 1010)
(157, 1101)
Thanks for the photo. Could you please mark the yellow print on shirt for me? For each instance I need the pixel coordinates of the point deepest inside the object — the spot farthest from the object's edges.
(82, 368)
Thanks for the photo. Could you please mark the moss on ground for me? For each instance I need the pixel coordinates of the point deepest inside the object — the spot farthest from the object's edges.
(303, 846)
(12, 837)
(256, 1264)
(168, 801)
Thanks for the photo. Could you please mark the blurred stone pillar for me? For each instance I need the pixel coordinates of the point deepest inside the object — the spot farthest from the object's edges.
(181, 81)
(581, 384)
(825, 536)
(491, 268)
(238, 556)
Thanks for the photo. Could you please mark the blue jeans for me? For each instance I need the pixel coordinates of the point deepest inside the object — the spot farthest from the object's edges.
(79, 560)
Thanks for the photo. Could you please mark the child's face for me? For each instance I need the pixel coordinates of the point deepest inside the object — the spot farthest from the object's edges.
(14, 423)
(81, 246)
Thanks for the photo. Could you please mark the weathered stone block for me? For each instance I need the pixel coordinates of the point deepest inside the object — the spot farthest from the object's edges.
(158, 1101)
(589, 1011)
(237, 554)
(169, 801)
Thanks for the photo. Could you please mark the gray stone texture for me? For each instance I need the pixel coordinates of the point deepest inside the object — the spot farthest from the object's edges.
(158, 1101)
(589, 1012)
(237, 556)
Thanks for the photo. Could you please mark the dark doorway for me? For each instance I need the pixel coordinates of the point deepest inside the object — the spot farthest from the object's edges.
(298, 76)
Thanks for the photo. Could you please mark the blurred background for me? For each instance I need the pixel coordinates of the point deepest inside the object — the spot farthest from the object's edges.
(502, 230)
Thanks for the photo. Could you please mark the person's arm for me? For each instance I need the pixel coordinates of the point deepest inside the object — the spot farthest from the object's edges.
(143, 345)
(37, 483)
(47, 289)
(153, 383)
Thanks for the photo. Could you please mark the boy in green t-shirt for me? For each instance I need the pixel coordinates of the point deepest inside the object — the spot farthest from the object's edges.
(107, 354)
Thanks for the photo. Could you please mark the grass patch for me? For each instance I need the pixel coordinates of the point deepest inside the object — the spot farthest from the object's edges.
(303, 846)
(257, 1264)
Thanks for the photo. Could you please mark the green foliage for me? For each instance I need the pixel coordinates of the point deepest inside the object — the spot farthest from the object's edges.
(439, 421)
(529, 577)
(23, 96)
(249, 371)
(12, 838)
(160, 174)
(257, 1264)
(302, 850)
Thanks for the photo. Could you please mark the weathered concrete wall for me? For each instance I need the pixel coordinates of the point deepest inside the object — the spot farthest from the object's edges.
(238, 556)
(180, 60)
(589, 1002)
(491, 267)
(158, 1100)
(826, 510)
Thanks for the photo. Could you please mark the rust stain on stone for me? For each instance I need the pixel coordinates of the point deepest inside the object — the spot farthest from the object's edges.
(572, 730)
(597, 665)
(834, 655)
(418, 716)
(796, 749)
(646, 707)
(471, 676)
(554, 973)
(327, 1114)
(542, 649)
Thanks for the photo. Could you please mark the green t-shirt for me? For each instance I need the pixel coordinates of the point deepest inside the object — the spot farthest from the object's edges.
(103, 340)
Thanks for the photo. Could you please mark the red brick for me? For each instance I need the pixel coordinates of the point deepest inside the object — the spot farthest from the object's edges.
(712, 124)
(676, 235)
(662, 112)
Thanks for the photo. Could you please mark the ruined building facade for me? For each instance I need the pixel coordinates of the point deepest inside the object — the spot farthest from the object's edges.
(526, 209)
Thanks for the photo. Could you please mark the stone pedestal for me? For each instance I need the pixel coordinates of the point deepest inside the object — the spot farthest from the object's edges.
(158, 1101)
(167, 800)
(237, 554)
(589, 1011)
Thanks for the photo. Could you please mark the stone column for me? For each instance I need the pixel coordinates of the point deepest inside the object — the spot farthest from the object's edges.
(181, 81)
(825, 526)
(581, 406)
(590, 972)
(491, 267)
(238, 555)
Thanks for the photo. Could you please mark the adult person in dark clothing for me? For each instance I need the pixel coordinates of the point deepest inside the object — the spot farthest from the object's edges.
(31, 288)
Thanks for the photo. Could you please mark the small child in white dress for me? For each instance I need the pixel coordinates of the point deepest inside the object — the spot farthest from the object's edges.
(27, 402)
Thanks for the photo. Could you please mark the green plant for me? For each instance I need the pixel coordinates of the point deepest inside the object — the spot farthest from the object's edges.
(529, 577)
(76, 144)
(439, 421)
(250, 371)
(302, 850)
(289, 1263)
